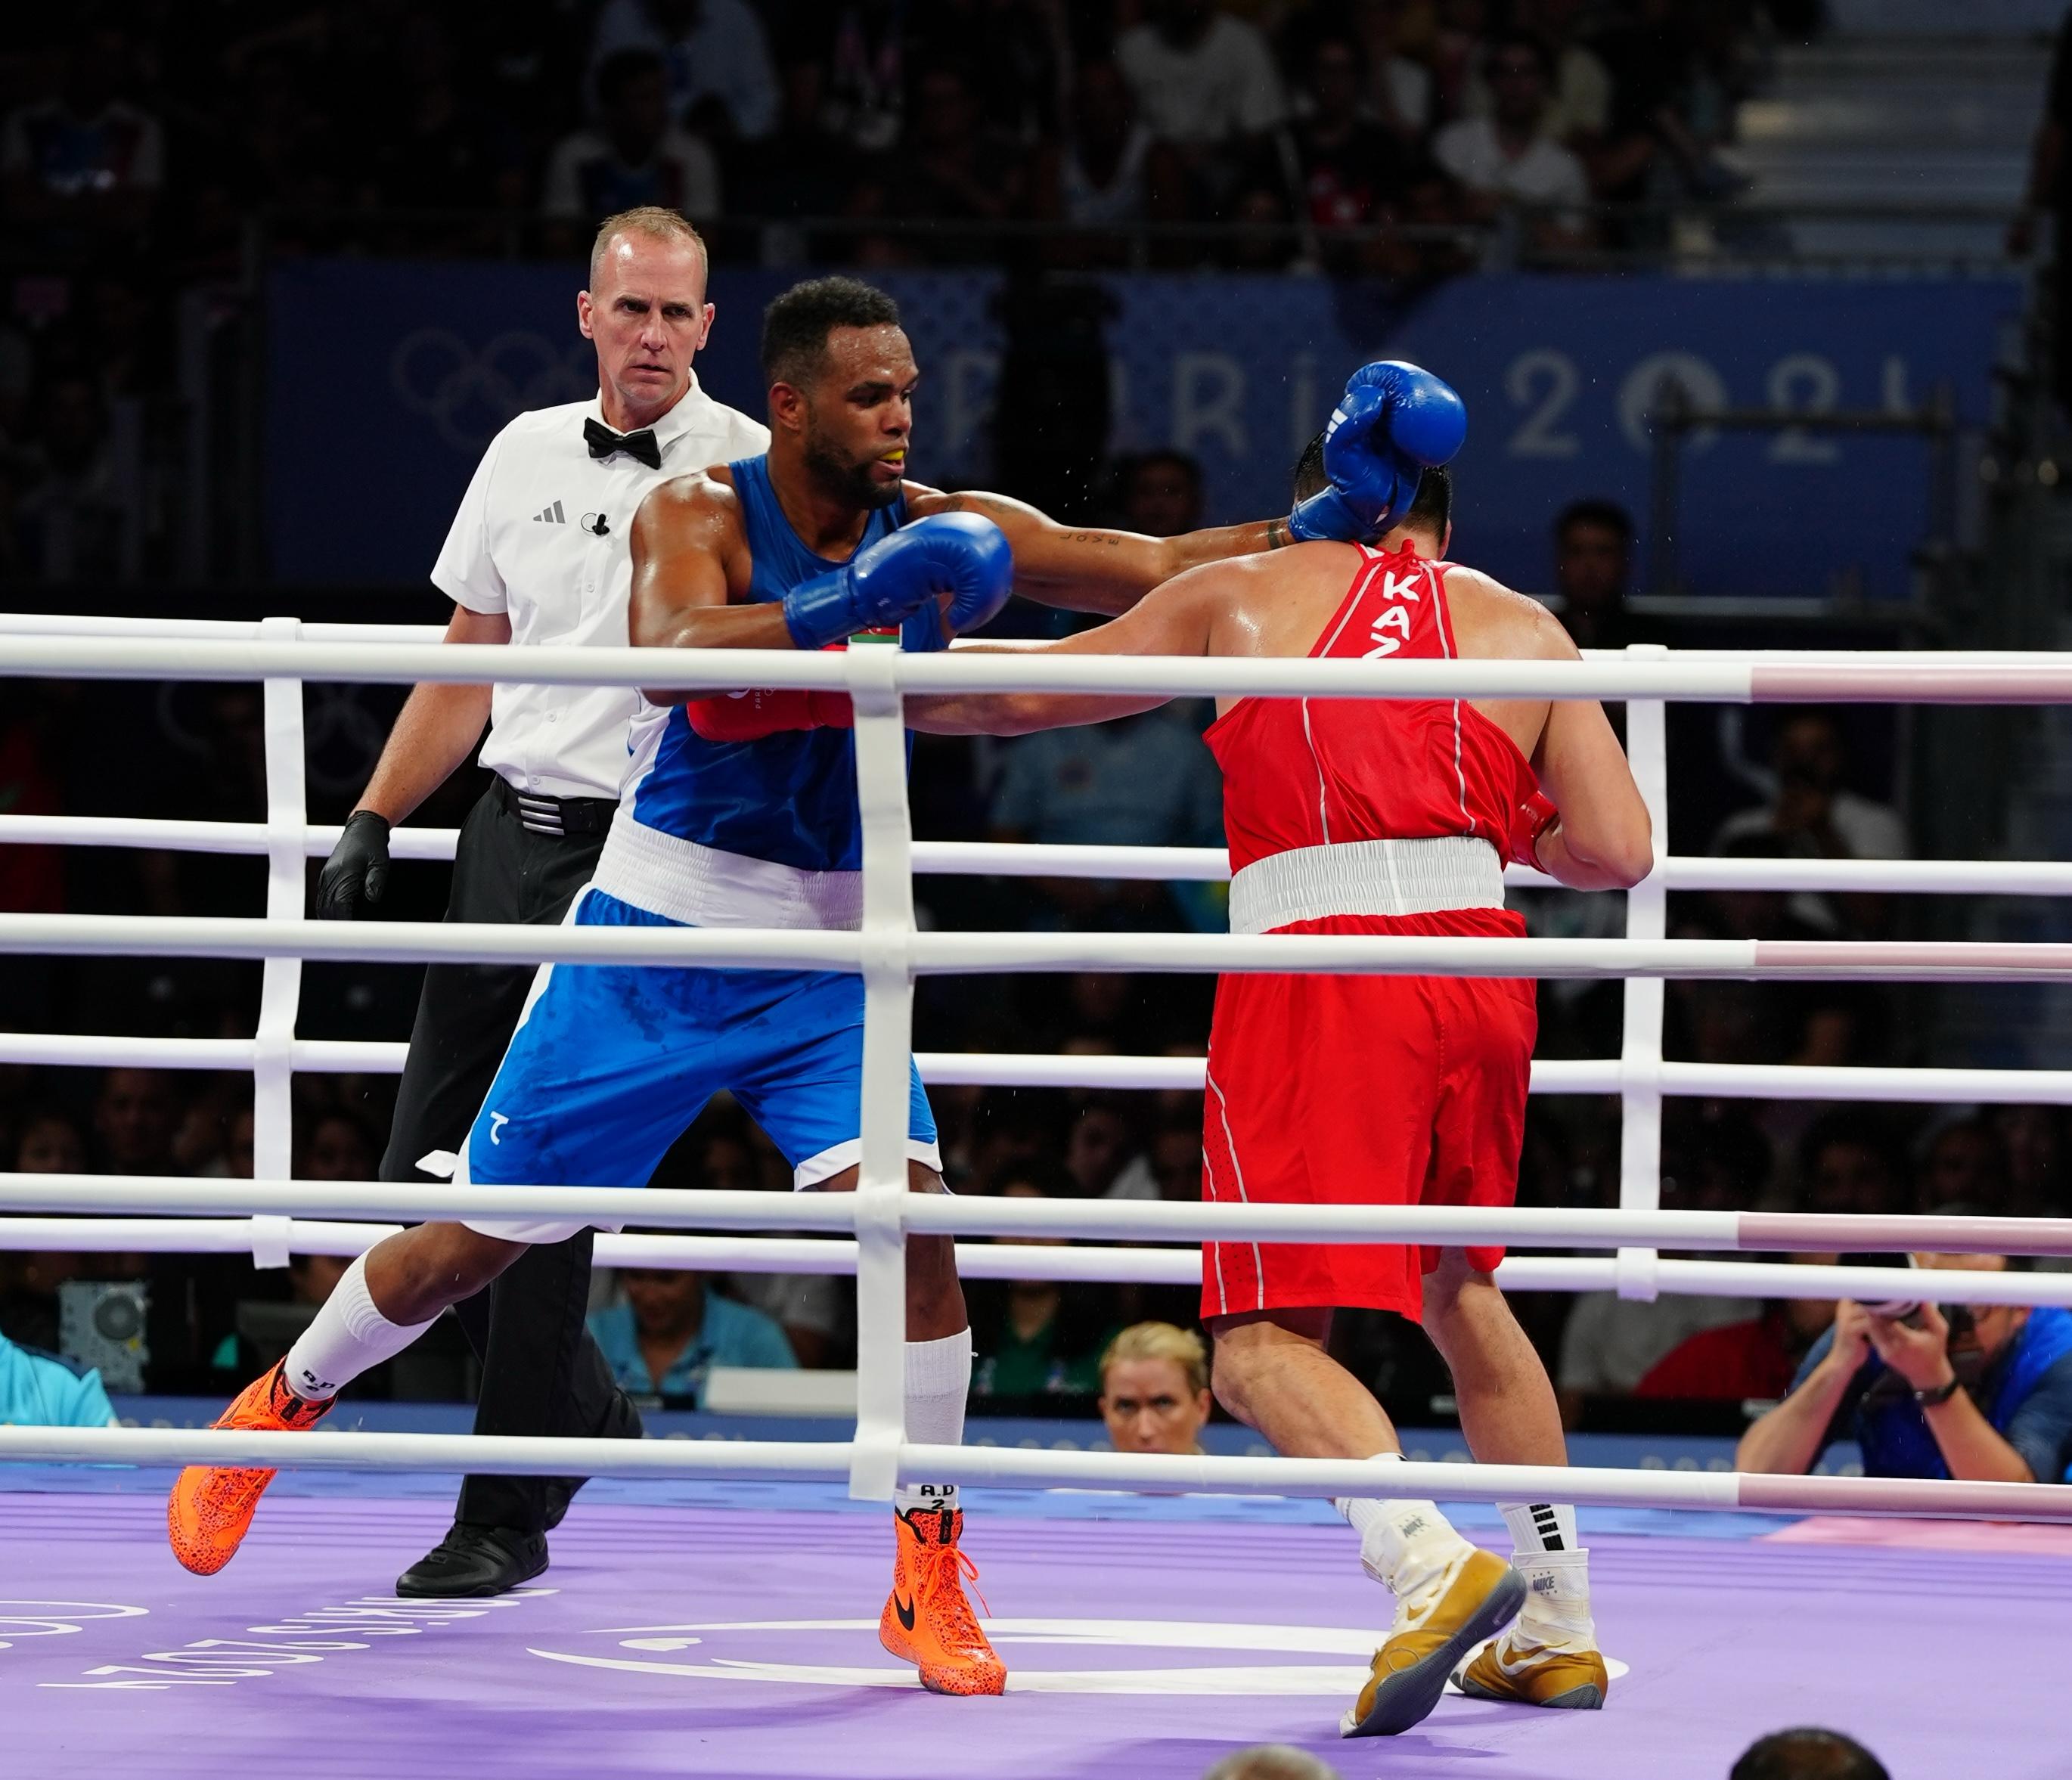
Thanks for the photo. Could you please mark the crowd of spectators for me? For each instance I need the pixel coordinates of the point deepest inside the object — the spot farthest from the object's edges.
(151, 157)
(1331, 114)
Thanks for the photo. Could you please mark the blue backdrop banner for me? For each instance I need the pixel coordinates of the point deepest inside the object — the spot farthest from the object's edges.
(387, 380)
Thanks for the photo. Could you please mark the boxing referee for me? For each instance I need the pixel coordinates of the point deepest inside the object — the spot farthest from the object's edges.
(537, 554)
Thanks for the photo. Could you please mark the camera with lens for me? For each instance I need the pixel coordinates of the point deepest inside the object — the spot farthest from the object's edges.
(1899, 1306)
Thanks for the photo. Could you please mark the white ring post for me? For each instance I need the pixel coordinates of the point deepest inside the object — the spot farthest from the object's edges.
(888, 1038)
(281, 978)
(1640, 1051)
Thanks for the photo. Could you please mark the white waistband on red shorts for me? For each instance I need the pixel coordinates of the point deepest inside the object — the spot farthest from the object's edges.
(1426, 877)
(704, 887)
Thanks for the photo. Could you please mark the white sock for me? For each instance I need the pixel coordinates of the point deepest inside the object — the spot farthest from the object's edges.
(939, 1375)
(348, 1337)
(1556, 1568)
(1405, 1546)
(1540, 1527)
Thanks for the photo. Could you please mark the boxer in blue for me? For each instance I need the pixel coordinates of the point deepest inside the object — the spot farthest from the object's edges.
(741, 811)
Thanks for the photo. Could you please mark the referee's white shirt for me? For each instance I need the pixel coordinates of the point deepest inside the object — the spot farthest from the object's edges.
(526, 542)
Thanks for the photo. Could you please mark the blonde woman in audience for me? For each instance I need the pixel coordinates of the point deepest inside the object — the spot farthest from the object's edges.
(1155, 1389)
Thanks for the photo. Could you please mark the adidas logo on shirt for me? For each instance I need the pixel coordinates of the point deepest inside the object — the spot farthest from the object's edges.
(550, 516)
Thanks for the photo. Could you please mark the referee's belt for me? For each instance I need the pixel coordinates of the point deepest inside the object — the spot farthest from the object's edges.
(545, 815)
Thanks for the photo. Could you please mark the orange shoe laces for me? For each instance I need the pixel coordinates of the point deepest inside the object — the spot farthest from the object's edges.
(940, 1573)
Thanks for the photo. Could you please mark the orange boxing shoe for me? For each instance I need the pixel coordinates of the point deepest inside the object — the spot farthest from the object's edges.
(209, 1509)
(927, 1621)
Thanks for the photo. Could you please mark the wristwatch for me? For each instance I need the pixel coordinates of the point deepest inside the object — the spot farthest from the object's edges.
(1942, 1393)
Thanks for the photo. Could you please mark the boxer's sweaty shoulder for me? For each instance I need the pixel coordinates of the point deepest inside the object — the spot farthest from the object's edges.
(1492, 623)
(700, 513)
(1281, 605)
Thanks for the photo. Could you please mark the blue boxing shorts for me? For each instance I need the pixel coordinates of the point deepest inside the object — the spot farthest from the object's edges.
(611, 1063)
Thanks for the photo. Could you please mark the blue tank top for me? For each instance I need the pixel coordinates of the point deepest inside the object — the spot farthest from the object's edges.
(788, 798)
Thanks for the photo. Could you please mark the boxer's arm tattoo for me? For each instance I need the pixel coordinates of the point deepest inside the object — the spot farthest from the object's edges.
(992, 508)
(1277, 534)
(1082, 570)
(1012, 514)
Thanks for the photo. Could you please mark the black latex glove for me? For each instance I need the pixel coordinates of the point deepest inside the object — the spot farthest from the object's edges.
(358, 869)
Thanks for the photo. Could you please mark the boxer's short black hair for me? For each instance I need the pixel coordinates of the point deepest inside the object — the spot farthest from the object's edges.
(796, 325)
(1309, 477)
(1432, 512)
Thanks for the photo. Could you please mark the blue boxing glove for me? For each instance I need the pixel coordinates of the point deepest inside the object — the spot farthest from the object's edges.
(1394, 421)
(1428, 422)
(955, 554)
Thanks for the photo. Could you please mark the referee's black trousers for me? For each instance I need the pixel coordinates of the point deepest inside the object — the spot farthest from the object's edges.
(541, 1372)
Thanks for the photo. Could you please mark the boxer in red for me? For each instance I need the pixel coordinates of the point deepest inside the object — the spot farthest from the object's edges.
(1357, 816)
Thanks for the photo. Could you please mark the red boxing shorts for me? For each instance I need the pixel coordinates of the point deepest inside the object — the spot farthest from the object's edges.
(1361, 1091)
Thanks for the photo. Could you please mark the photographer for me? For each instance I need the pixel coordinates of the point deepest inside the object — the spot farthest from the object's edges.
(1982, 1392)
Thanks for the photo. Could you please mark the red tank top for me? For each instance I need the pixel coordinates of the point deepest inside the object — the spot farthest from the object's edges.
(1320, 772)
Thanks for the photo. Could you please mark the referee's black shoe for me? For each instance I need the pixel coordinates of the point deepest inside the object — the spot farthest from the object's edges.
(474, 1559)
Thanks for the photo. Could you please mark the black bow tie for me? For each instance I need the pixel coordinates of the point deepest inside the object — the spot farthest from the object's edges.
(603, 442)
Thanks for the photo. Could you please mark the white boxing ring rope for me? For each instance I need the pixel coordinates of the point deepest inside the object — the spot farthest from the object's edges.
(274, 1216)
(1021, 1468)
(1157, 865)
(270, 1239)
